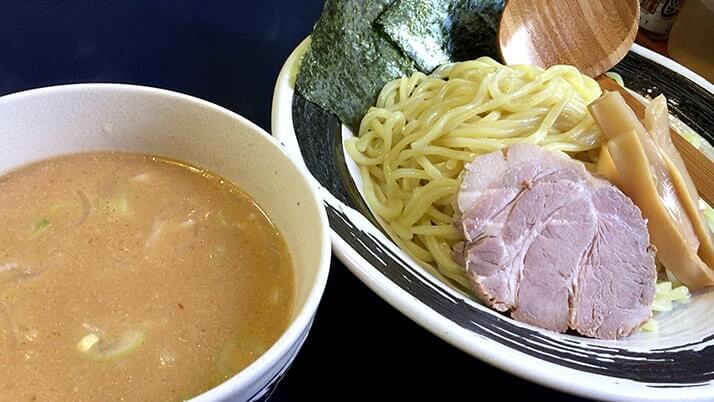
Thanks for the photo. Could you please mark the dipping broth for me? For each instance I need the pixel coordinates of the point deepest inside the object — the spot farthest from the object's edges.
(131, 277)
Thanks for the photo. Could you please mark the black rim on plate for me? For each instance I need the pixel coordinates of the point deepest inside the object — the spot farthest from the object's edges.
(690, 365)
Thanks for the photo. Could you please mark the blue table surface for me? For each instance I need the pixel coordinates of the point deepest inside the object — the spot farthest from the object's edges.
(230, 52)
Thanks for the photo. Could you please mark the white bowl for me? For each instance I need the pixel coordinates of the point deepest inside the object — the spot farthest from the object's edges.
(53, 121)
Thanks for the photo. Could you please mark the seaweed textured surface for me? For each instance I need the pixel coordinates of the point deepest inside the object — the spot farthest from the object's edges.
(434, 32)
(349, 61)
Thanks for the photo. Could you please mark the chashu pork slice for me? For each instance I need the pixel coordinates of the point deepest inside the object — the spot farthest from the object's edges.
(553, 245)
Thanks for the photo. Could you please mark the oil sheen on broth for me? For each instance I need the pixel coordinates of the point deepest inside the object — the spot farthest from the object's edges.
(130, 277)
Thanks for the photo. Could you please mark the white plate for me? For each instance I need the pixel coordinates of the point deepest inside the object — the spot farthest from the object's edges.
(676, 363)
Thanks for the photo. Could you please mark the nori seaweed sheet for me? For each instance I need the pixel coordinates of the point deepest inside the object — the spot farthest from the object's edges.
(349, 61)
(434, 32)
(490, 11)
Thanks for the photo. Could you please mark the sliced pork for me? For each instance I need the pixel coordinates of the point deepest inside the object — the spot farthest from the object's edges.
(553, 245)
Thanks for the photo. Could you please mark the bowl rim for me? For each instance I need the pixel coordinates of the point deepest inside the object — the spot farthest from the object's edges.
(545, 373)
(302, 320)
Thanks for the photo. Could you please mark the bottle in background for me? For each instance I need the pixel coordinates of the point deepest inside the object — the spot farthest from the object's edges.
(691, 41)
(657, 16)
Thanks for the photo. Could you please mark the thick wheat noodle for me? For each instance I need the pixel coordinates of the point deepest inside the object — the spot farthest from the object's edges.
(413, 144)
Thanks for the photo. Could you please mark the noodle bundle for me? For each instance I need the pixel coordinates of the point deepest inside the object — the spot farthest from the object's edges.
(413, 144)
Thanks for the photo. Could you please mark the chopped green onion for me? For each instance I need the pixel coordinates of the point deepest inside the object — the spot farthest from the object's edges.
(661, 305)
(56, 208)
(665, 295)
(650, 326)
(231, 358)
(87, 342)
(98, 349)
(664, 286)
(120, 206)
(218, 251)
(680, 294)
(219, 219)
(40, 228)
(616, 77)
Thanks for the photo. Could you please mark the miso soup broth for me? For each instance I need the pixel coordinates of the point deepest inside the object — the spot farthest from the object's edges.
(135, 278)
